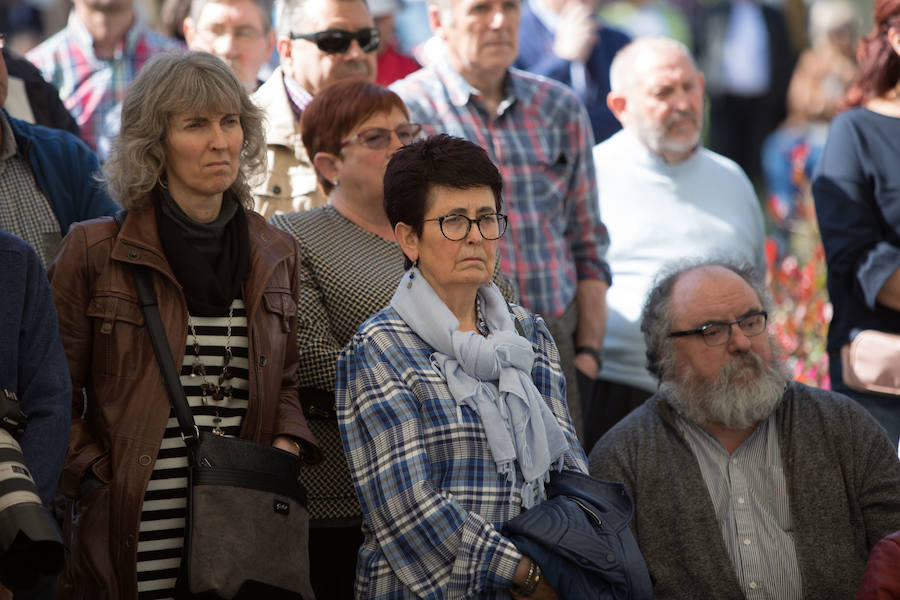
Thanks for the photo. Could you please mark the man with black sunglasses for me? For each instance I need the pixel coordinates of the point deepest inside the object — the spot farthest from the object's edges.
(319, 42)
(745, 484)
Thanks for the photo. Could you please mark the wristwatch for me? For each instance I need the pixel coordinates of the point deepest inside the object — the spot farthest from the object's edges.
(595, 352)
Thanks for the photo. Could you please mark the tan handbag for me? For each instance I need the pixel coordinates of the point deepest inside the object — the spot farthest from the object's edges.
(871, 362)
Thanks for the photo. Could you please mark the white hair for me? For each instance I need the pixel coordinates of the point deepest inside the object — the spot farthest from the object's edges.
(623, 72)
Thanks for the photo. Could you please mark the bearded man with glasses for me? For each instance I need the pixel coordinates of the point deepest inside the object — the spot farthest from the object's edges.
(745, 484)
(319, 42)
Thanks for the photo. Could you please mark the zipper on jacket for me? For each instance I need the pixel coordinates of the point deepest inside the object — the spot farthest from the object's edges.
(585, 508)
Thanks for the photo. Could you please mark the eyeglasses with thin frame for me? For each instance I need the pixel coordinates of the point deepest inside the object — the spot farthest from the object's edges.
(457, 227)
(718, 333)
(379, 138)
(337, 41)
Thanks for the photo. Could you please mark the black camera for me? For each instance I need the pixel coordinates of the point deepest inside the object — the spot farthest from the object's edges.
(29, 541)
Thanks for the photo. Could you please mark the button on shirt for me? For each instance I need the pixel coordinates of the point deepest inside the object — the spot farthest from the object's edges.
(541, 140)
(93, 88)
(748, 490)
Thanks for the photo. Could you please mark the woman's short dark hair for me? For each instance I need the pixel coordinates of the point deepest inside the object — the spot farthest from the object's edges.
(438, 161)
(879, 65)
(339, 108)
(169, 84)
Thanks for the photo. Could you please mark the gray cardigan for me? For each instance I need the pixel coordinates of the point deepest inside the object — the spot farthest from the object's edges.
(843, 479)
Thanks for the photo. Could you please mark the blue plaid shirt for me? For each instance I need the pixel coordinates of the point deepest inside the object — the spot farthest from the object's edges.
(431, 495)
(93, 88)
(542, 143)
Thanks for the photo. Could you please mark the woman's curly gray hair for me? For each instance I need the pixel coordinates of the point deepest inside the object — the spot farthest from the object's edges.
(169, 84)
(656, 317)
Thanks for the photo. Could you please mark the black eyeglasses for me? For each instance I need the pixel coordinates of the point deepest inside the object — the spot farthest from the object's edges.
(379, 138)
(337, 41)
(718, 333)
(457, 227)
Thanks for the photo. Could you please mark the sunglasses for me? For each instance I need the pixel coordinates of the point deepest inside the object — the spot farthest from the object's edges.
(337, 41)
(379, 138)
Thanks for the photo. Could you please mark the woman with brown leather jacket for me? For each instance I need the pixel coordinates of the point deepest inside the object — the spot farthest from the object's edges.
(226, 285)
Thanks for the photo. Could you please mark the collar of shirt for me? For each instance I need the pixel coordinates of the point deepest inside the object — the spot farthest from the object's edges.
(297, 95)
(643, 155)
(124, 47)
(698, 437)
(460, 91)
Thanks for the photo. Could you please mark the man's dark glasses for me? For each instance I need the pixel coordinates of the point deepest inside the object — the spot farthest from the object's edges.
(337, 41)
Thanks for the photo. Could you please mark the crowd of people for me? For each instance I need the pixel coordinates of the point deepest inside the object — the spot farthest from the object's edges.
(503, 297)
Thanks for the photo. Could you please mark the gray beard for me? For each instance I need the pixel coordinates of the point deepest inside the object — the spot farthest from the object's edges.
(745, 392)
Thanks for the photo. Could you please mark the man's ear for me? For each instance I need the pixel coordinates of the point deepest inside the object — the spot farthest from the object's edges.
(284, 46)
(616, 103)
(188, 28)
(408, 240)
(434, 19)
(326, 165)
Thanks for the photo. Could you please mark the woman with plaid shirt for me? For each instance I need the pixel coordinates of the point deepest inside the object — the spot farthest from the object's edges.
(450, 402)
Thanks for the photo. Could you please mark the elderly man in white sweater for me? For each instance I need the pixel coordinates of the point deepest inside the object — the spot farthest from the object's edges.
(662, 197)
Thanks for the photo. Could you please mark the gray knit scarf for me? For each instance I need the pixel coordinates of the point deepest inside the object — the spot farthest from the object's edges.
(492, 376)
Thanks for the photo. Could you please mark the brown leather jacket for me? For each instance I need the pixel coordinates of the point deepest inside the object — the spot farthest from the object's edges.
(119, 419)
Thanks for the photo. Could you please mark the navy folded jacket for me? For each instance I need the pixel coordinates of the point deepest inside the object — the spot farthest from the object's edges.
(580, 538)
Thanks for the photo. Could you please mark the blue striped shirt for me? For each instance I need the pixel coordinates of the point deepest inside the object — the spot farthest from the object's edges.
(748, 490)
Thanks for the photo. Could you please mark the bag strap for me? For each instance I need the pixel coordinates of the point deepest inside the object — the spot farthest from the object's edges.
(160, 343)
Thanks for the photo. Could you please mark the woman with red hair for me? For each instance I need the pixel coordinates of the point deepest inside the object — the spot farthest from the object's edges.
(349, 269)
(857, 197)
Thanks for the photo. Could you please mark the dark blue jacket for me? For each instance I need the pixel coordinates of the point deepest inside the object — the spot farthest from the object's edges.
(580, 538)
(65, 170)
(32, 361)
(536, 56)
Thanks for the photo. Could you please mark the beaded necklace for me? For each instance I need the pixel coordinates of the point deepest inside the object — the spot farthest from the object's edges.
(222, 389)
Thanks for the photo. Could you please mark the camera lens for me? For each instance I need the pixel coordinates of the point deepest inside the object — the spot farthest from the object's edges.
(29, 541)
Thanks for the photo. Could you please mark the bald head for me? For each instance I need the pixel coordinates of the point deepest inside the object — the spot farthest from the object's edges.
(643, 55)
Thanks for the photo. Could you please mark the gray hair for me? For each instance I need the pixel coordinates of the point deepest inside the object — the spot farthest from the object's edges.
(264, 7)
(169, 84)
(623, 72)
(290, 12)
(656, 316)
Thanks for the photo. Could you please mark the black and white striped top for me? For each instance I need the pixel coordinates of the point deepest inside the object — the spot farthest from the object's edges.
(748, 490)
(163, 513)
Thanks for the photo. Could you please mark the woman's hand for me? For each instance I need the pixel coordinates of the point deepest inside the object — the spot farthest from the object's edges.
(289, 444)
(543, 591)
